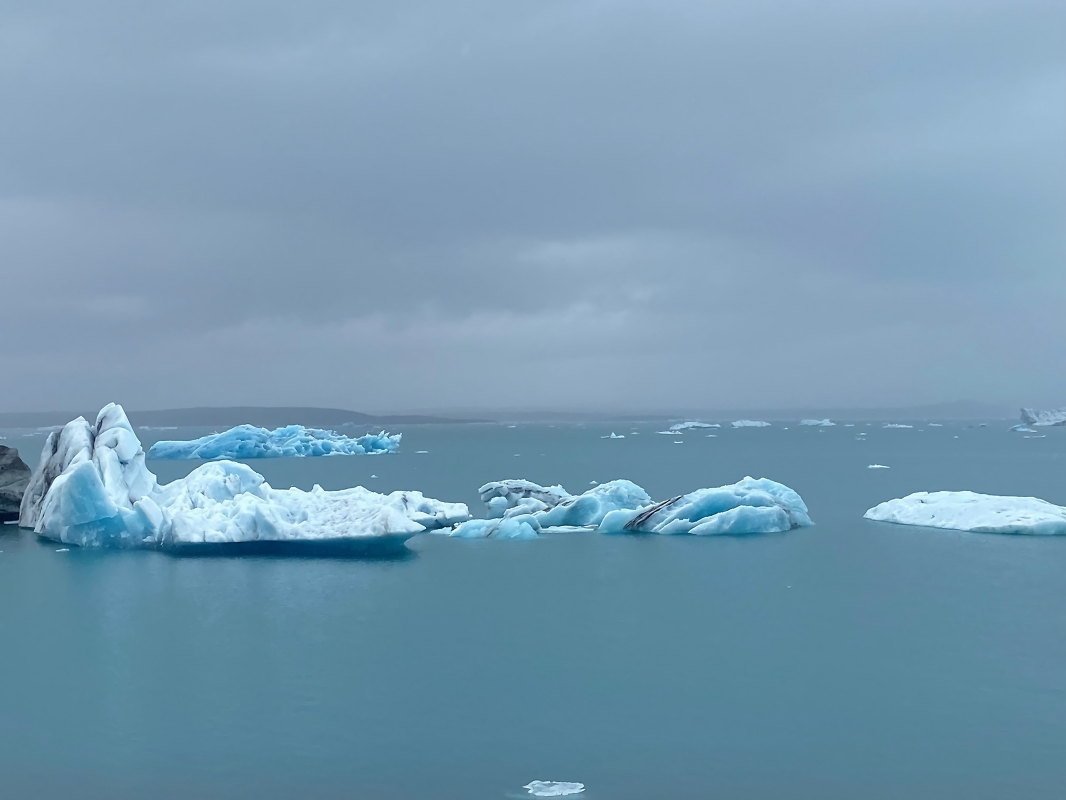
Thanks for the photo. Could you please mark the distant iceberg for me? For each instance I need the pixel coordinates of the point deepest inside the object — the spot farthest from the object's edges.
(970, 511)
(684, 426)
(92, 489)
(747, 507)
(1023, 428)
(248, 441)
(818, 423)
(554, 788)
(750, 423)
(896, 425)
(878, 466)
(1031, 416)
(614, 435)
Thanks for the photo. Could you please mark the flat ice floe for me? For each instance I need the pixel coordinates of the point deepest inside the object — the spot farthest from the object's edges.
(553, 788)
(878, 466)
(684, 426)
(1022, 428)
(970, 511)
(899, 425)
(750, 423)
(92, 489)
(291, 441)
(818, 423)
(523, 510)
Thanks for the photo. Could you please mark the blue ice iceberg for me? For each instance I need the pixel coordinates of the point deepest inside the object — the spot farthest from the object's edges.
(746, 507)
(92, 489)
(248, 441)
(753, 505)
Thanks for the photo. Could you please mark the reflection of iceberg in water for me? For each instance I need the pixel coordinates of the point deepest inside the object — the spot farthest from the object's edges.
(92, 488)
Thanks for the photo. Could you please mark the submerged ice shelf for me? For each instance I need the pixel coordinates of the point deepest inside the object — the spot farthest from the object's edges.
(521, 509)
(249, 441)
(92, 489)
(970, 511)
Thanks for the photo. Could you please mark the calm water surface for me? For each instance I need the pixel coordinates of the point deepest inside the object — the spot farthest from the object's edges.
(850, 660)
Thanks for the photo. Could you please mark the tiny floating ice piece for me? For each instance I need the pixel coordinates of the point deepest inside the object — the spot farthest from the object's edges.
(896, 425)
(614, 436)
(553, 788)
(878, 466)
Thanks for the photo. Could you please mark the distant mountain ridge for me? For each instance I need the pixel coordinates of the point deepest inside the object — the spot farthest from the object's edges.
(229, 416)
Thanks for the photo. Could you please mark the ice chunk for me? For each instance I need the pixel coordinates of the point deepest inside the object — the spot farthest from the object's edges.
(520, 496)
(750, 423)
(590, 507)
(970, 511)
(553, 788)
(92, 488)
(684, 426)
(748, 506)
(877, 466)
(248, 441)
(818, 423)
(521, 526)
(1031, 416)
(1023, 428)
(614, 436)
(896, 425)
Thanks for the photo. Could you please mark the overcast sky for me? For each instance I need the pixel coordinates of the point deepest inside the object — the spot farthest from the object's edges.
(541, 204)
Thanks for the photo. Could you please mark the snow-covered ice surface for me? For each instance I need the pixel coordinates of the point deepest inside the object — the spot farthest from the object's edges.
(970, 511)
(690, 424)
(818, 423)
(553, 788)
(92, 489)
(248, 441)
(1032, 416)
(750, 423)
(747, 507)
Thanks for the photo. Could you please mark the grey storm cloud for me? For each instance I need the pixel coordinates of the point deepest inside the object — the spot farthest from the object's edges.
(584, 204)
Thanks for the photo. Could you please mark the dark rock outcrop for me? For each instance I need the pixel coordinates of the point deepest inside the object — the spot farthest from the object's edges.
(14, 477)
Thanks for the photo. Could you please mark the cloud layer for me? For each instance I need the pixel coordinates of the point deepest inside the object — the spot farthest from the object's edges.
(583, 204)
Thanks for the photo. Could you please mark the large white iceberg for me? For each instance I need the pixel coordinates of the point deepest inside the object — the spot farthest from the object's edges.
(248, 441)
(970, 511)
(92, 489)
(746, 507)
(818, 423)
(1031, 416)
(750, 423)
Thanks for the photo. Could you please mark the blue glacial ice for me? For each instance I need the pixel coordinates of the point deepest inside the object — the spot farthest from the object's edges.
(91, 488)
(747, 507)
(752, 505)
(248, 441)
